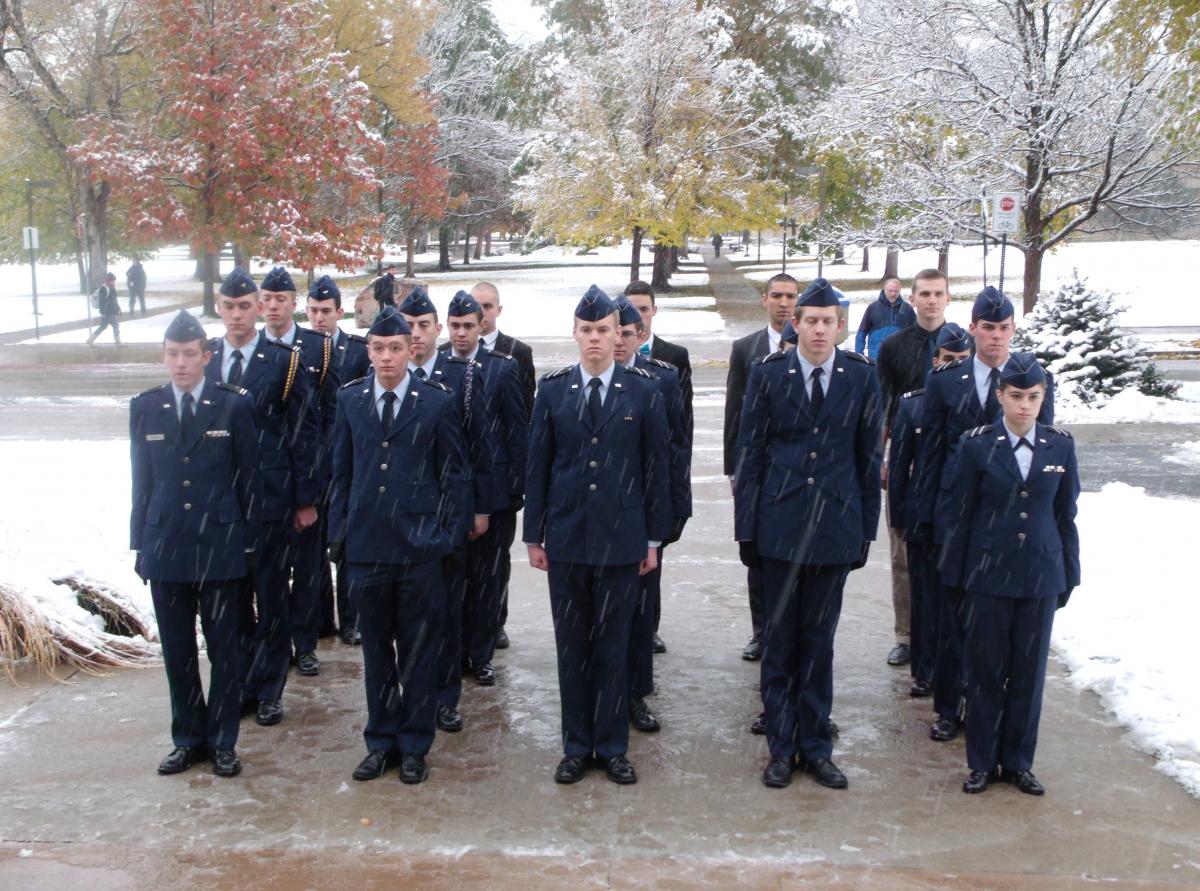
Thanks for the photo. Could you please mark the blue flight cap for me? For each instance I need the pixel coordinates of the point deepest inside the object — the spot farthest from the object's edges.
(1022, 370)
(819, 293)
(594, 306)
(992, 306)
(463, 304)
(389, 323)
(952, 337)
(324, 288)
(789, 334)
(184, 328)
(417, 303)
(278, 279)
(627, 312)
(238, 284)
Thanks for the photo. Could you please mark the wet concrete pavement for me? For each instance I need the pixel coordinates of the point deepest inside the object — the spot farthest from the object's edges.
(84, 808)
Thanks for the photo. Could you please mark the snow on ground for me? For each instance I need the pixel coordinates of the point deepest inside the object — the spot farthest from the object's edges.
(1131, 407)
(1128, 633)
(1187, 453)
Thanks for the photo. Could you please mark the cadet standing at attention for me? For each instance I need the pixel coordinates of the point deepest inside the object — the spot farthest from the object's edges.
(1013, 550)
(597, 507)
(807, 504)
(288, 440)
(194, 525)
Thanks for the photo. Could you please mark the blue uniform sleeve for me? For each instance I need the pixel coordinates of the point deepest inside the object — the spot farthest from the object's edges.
(751, 453)
(342, 450)
(303, 438)
(964, 504)
(680, 448)
(656, 469)
(247, 479)
(932, 457)
(481, 440)
(900, 460)
(450, 455)
(537, 468)
(1065, 506)
(511, 402)
(869, 453)
(143, 474)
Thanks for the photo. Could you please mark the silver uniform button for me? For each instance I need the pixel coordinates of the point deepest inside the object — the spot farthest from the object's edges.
(187, 506)
(186, 483)
(816, 429)
(1024, 516)
(1020, 536)
(592, 487)
(383, 488)
(386, 444)
(811, 481)
(591, 464)
(187, 460)
(383, 467)
(595, 439)
(812, 455)
(1024, 494)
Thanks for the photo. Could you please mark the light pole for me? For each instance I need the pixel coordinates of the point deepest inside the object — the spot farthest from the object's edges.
(32, 243)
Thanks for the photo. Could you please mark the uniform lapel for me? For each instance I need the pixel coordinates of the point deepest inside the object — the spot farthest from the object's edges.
(408, 408)
(616, 395)
(795, 386)
(575, 398)
(1004, 450)
(170, 412)
(255, 362)
(836, 390)
(1040, 447)
(206, 413)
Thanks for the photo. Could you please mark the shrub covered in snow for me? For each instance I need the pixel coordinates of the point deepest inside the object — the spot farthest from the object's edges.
(1073, 330)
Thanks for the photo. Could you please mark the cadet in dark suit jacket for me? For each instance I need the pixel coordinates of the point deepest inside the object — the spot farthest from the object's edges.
(289, 438)
(779, 299)
(1013, 548)
(400, 493)
(807, 505)
(641, 296)
(597, 508)
(196, 493)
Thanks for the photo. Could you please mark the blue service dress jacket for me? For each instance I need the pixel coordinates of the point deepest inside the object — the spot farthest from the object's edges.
(1008, 536)
(196, 497)
(399, 495)
(681, 435)
(902, 456)
(807, 487)
(598, 494)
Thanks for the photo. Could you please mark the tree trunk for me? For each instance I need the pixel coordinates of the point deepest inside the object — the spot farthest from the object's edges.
(478, 255)
(487, 248)
(674, 260)
(466, 247)
(839, 255)
(444, 249)
(746, 237)
(944, 260)
(891, 266)
(423, 241)
(635, 259)
(205, 262)
(1033, 275)
(93, 198)
(661, 280)
(866, 264)
(83, 280)
(240, 258)
(409, 244)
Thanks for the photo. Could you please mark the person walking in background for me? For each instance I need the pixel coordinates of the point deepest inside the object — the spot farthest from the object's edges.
(883, 318)
(135, 281)
(717, 241)
(105, 299)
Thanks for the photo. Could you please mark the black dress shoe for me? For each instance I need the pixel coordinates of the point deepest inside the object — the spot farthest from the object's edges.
(901, 654)
(976, 781)
(351, 637)
(920, 689)
(759, 727)
(753, 650)
(778, 773)
(226, 763)
(620, 771)
(570, 770)
(449, 720)
(641, 718)
(372, 767)
(944, 729)
(181, 758)
(270, 711)
(1028, 783)
(502, 640)
(308, 664)
(659, 646)
(413, 770)
(485, 675)
(826, 773)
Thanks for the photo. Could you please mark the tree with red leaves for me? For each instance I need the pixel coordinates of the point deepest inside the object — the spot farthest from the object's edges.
(414, 187)
(257, 137)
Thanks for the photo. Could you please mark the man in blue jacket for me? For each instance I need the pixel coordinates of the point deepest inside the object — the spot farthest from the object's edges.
(806, 503)
(597, 507)
(883, 318)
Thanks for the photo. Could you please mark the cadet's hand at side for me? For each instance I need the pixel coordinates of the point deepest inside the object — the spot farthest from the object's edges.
(650, 563)
(538, 558)
(305, 517)
(748, 554)
(480, 528)
(1064, 597)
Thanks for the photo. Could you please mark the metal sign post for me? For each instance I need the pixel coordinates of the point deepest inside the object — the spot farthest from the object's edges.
(1006, 219)
(29, 236)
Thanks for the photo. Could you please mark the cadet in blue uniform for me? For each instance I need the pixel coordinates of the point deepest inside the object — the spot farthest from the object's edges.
(397, 508)
(1013, 548)
(504, 408)
(277, 306)
(350, 362)
(464, 378)
(288, 441)
(958, 397)
(597, 507)
(807, 504)
(196, 493)
(649, 606)
(927, 603)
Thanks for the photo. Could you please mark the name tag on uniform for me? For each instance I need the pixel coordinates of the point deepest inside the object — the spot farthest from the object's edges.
(155, 437)
(1054, 468)
(216, 432)
(629, 417)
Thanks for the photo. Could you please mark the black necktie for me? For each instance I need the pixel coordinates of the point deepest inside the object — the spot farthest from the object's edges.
(818, 395)
(419, 372)
(188, 413)
(1023, 442)
(991, 406)
(235, 370)
(389, 409)
(594, 404)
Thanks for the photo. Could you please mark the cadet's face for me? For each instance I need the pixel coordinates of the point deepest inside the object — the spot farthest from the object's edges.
(597, 340)
(930, 297)
(323, 315)
(489, 302)
(425, 331)
(944, 356)
(464, 333)
(389, 357)
(277, 309)
(1021, 407)
(627, 343)
(239, 315)
(818, 328)
(891, 290)
(185, 362)
(992, 339)
(780, 301)
(646, 307)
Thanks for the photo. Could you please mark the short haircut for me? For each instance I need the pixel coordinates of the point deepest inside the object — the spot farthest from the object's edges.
(488, 285)
(798, 312)
(1005, 384)
(336, 298)
(928, 274)
(782, 277)
(640, 287)
(477, 315)
(893, 278)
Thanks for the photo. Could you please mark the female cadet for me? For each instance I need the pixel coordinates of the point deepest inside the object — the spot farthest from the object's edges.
(1013, 552)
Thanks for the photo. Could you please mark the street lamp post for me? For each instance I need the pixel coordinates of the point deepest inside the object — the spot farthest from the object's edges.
(32, 243)
(817, 170)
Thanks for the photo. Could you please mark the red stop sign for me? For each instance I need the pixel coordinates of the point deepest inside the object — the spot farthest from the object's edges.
(1007, 204)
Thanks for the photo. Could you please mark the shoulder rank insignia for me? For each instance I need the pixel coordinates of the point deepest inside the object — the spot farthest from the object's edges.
(233, 388)
(975, 431)
(660, 363)
(558, 372)
(157, 389)
(937, 369)
(640, 372)
(353, 383)
(357, 337)
(1059, 430)
(911, 393)
(500, 355)
(858, 357)
(459, 360)
(437, 385)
